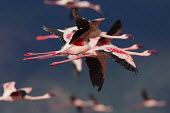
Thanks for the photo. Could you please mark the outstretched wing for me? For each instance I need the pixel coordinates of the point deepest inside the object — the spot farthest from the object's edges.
(121, 57)
(82, 25)
(57, 33)
(26, 89)
(114, 31)
(97, 72)
(9, 87)
(145, 95)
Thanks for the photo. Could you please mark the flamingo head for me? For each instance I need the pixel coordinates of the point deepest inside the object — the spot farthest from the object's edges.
(149, 52)
(152, 52)
(129, 36)
(139, 46)
(49, 95)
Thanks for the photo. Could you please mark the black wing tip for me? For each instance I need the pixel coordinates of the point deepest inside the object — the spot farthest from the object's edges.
(100, 85)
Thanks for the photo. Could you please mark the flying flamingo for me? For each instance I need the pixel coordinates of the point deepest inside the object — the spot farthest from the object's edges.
(76, 102)
(79, 41)
(64, 36)
(95, 60)
(148, 102)
(11, 94)
(74, 4)
(98, 107)
(80, 104)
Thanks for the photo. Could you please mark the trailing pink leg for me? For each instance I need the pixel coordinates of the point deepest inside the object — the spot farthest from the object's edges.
(39, 57)
(64, 61)
(46, 37)
(31, 54)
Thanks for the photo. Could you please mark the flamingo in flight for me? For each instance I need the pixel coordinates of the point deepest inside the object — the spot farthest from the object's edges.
(11, 94)
(98, 107)
(64, 36)
(104, 49)
(79, 103)
(74, 4)
(79, 41)
(76, 102)
(148, 102)
(78, 45)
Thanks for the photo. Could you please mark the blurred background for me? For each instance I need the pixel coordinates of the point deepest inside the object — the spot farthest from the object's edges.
(22, 20)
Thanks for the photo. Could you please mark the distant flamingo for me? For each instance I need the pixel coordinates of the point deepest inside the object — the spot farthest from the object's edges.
(148, 102)
(80, 104)
(12, 94)
(74, 4)
(97, 107)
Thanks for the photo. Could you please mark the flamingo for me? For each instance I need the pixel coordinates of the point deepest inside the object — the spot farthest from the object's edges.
(74, 4)
(98, 107)
(95, 60)
(11, 94)
(79, 41)
(65, 36)
(79, 103)
(148, 102)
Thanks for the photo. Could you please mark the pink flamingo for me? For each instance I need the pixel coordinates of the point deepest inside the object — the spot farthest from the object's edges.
(98, 107)
(11, 94)
(79, 103)
(74, 4)
(148, 102)
(79, 41)
(95, 60)
(65, 36)
(76, 102)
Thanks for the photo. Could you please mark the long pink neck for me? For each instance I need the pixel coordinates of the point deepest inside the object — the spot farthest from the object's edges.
(36, 98)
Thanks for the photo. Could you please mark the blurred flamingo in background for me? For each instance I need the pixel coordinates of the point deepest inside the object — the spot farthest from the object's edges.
(148, 102)
(74, 4)
(11, 94)
(98, 107)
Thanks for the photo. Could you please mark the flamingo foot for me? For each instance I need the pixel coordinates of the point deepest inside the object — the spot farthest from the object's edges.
(55, 63)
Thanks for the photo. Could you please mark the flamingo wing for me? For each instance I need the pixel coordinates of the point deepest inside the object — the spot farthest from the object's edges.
(77, 65)
(17, 93)
(8, 88)
(82, 25)
(57, 33)
(121, 57)
(114, 30)
(97, 72)
(26, 89)
(144, 95)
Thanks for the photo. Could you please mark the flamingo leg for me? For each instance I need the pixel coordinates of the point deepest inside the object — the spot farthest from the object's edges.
(31, 54)
(64, 61)
(39, 57)
(46, 37)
